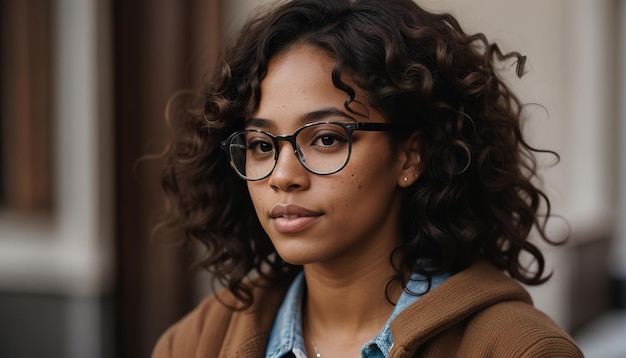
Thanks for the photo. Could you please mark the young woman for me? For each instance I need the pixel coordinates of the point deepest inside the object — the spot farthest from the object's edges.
(359, 179)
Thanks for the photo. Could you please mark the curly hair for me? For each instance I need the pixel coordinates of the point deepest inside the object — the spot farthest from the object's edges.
(476, 198)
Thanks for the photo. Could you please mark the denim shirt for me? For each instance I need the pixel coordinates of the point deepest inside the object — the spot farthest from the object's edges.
(286, 340)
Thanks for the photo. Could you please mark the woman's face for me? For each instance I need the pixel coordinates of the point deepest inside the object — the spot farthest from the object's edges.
(311, 218)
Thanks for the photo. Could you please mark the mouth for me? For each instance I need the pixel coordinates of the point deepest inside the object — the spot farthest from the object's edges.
(293, 218)
(292, 211)
(288, 216)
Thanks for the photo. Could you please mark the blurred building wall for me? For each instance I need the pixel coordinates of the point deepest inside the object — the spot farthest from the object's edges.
(88, 279)
(618, 257)
(56, 269)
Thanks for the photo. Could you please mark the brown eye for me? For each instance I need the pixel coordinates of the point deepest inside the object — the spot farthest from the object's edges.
(261, 146)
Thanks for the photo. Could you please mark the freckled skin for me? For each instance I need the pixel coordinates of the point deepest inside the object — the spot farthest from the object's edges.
(360, 204)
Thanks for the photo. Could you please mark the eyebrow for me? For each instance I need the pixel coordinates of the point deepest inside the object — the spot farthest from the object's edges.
(310, 117)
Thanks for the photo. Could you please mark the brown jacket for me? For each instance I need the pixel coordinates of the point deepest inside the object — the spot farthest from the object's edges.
(479, 312)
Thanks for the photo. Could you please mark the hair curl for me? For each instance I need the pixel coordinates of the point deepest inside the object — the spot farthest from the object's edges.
(475, 198)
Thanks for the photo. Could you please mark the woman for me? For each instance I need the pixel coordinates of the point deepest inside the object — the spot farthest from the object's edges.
(379, 198)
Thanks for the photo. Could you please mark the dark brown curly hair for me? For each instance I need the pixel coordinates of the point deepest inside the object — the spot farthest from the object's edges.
(476, 198)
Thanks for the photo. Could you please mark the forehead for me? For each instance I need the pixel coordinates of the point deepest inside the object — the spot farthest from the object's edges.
(302, 72)
(299, 81)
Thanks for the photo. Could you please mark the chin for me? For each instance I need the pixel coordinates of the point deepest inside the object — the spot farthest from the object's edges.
(299, 255)
(297, 259)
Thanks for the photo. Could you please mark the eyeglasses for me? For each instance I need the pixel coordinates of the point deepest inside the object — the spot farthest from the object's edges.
(323, 148)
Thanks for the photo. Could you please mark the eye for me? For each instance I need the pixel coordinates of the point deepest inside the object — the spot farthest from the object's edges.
(323, 137)
(260, 145)
(328, 140)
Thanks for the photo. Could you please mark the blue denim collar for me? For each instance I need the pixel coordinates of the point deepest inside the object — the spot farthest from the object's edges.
(286, 334)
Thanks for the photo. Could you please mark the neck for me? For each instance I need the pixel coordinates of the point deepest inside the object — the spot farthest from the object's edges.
(343, 312)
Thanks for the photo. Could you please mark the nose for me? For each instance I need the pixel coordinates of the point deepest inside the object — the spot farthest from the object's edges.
(289, 173)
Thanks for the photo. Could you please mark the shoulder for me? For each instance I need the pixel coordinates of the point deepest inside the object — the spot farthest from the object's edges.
(480, 312)
(216, 325)
(206, 322)
(517, 329)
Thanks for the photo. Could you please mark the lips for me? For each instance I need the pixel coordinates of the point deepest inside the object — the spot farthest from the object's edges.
(293, 218)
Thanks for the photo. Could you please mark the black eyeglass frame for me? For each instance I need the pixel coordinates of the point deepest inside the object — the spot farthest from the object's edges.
(349, 127)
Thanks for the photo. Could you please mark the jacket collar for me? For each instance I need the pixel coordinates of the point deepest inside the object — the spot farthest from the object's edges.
(249, 329)
(459, 297)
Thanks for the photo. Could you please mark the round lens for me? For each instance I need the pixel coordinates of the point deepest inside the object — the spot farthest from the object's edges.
(323, 148)
(252, 154)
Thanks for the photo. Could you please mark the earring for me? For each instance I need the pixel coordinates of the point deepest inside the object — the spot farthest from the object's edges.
(406, 179)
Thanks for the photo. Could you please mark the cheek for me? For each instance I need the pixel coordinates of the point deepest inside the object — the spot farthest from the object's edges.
(341, 182)
(357, 182)
(256, 195)
(352, 186)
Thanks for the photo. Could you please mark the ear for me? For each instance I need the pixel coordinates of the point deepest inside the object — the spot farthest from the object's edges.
(410, 154)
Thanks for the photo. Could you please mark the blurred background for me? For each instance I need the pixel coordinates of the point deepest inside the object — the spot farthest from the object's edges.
(84, 86)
